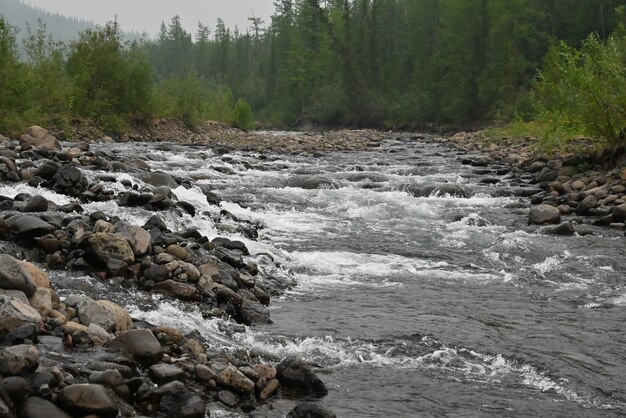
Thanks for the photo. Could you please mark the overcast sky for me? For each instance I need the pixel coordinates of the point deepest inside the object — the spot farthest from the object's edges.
(147, 15)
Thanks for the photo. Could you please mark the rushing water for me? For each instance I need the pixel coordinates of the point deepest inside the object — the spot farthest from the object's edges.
(411, 306)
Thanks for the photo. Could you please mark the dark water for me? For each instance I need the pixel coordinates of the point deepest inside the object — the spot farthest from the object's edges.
(430, 306)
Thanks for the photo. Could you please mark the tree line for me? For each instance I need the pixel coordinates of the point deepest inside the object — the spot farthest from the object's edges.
(366, 63)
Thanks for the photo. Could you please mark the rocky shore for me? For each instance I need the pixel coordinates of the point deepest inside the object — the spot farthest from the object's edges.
(570, 190)
(84, 356)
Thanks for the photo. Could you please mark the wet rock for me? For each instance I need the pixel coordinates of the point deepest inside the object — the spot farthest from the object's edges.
(109, 378)
(178, 252)
(110, 316)
(619, 213)
(85, 399)
(187, 207)
(180, 290)
(16, 388)
(157, 273)
(269, 389)
(314, 182)
(164, 373)
(18, 359)
(36, 407)
(36, 203)
(27, 226)
(138, 238)
(254, 313)
(566, 228)
(141, 345)
(69, 181)
(39, 137)
(14, 276)
(227, 398)
(544, 214)
(297, 379)
(233, 378)
(116, 268)
(451, 189)
(586, 205)
(47, 170)
(103, 246)
(176, 401)
(310, 410)
(155, 222)
(159, 178)
(17, 317)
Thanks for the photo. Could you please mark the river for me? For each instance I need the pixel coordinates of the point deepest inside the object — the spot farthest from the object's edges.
(409, 306)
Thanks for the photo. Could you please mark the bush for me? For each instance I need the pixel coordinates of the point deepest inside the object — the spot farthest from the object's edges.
(582, 90)
(243, 115)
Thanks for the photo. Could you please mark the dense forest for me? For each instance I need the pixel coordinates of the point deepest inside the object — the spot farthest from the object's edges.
(377, 63)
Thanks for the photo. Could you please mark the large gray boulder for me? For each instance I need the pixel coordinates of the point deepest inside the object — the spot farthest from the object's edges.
(113, 318)
(39, 137)
(544, 214)
(14, 276)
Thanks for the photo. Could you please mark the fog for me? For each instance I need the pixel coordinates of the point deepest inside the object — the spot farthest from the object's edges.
(147, 15)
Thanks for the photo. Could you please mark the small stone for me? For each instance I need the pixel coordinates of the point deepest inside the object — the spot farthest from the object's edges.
(310, 410)
(269, 389)
(178, 401)
(227, 398)
(586, 205)
(103, 246)
(178, 252)
(233, 378)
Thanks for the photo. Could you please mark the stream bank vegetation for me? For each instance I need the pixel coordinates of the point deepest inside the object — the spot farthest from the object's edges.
(531, 68)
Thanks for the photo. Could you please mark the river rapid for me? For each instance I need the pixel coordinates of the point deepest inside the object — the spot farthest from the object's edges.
(437, 305)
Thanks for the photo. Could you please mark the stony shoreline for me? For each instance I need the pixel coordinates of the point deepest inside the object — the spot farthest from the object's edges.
(79, 356)
(572, 189)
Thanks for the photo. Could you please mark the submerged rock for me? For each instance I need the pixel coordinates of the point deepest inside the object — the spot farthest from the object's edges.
(310, 410)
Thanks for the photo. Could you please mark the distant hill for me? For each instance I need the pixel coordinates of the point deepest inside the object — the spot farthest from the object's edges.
(62, 28)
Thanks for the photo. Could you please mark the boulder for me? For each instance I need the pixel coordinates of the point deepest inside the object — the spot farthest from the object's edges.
(69, 181)
(28, 226)
(544, 214)
(14, 276)
(619, 213)
(140, 345)
(15, 315)
(314, 182)
(233, 378)
(566, 228)
(36, 407)
(159, 178)
(40, 277)
(15, 387)
(310, 410)
(36, 203)
(113, 318)
(18, 359)
(253, 312)
(162, 373)
(586, 205)
(227, 398)
(36, 136)
(180, 290)
(103, 246)
(85, 399)
(297, 379)
(176, 401)
(138, 238)
(47, 170)
(427, 190)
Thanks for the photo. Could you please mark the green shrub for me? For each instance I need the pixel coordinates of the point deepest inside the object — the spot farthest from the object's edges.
(582, 90)
(243, 115)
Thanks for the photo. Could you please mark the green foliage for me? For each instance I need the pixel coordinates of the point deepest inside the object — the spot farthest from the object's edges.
(583, 90)
(243, 118)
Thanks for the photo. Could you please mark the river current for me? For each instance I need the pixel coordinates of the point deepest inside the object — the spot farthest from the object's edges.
(408, 306)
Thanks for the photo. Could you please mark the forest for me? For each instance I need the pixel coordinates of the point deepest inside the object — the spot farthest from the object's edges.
(401, 64)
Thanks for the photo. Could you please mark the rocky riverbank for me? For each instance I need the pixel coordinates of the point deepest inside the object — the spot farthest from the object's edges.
(572, 190)
(86, 356)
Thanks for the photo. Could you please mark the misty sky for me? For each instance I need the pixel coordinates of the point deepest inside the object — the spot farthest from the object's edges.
(146, 15)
